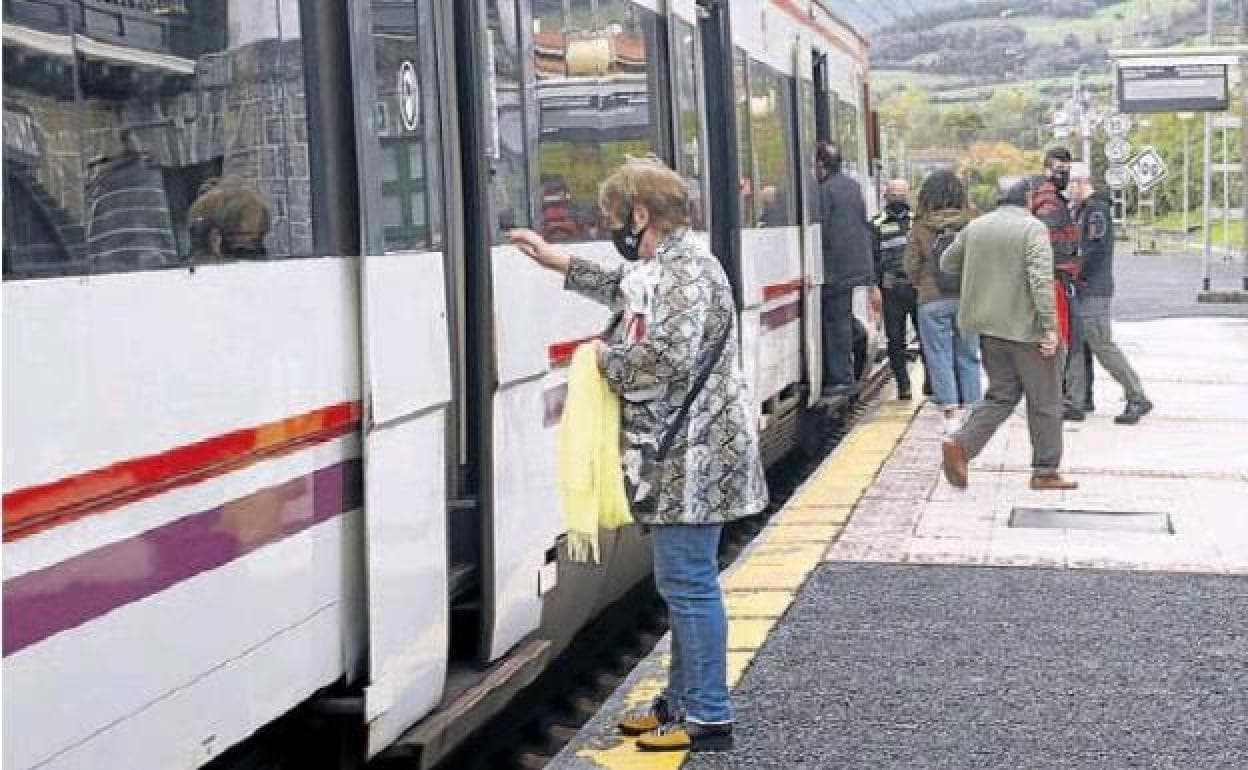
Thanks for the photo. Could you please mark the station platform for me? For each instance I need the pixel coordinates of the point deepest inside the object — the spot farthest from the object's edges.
(884, 619)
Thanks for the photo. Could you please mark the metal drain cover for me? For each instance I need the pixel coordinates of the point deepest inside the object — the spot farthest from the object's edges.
(1116, 521)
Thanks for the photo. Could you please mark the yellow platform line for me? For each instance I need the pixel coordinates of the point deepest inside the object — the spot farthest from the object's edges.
(761, 586)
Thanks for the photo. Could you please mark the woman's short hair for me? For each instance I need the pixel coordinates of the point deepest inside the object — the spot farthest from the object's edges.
(650, 182)
(942, 190)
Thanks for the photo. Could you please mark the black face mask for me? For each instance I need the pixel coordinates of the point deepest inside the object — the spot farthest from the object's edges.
(1061, 179)
(626, 241)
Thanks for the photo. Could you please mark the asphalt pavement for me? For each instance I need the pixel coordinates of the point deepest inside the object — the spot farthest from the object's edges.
(1150, 286)
(887, 666)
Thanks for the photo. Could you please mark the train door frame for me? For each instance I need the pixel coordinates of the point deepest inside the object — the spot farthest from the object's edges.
(406, 388)
(812, 256)
(480, 373)
(675, 18)
(715, 32)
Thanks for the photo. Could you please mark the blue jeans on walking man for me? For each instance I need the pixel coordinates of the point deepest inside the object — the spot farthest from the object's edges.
(952, 357)
(686, 571)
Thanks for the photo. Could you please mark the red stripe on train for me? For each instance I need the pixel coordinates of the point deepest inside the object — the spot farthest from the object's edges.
(38, 508)
(560, 353)
(776, 290)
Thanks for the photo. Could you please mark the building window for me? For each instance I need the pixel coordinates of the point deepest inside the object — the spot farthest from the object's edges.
(178, 136)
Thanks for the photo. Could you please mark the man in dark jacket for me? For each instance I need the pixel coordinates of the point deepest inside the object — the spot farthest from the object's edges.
(891, 228)
(1094, 219)
(846, 264)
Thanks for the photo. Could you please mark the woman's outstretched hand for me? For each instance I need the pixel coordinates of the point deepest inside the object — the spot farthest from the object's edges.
(536, 247)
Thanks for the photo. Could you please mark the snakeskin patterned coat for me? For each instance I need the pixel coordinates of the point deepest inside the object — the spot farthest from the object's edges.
(671, 311)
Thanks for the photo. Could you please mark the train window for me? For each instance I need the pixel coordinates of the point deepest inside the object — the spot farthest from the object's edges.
(597, 66)
(774, 137)
(688, 117)
(406, 121)
(847, 132)
(153, 134)
(807, 112)
(745, 155)
(507, 131)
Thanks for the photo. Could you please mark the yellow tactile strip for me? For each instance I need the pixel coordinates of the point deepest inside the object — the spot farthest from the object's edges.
(762, 584)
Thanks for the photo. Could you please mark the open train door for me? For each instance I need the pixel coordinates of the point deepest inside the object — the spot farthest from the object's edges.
(405, 366)
(520, 520)
(811, 83)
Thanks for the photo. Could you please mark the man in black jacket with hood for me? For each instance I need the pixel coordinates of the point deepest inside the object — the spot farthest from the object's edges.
(847, 263)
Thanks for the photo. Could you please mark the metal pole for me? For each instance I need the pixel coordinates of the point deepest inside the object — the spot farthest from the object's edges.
(1226, 198)
(1243, 148)
(1187, 151)
(1208, 185)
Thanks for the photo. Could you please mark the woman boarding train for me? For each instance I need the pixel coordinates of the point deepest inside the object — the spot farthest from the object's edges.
(690, 451)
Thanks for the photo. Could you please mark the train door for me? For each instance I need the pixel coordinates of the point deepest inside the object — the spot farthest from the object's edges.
(405, 359)
(808, 109)
(519, 515)
(714, 27)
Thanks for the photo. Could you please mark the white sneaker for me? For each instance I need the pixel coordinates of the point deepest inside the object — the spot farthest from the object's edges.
(953, 422)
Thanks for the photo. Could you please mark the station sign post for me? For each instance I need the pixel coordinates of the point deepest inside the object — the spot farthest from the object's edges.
(1193, 79)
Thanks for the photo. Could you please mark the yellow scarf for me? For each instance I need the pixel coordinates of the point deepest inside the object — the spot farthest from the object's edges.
(591, 481)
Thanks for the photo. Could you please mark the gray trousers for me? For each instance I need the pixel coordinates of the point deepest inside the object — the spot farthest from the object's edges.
(1099, 337)
(1016, 369)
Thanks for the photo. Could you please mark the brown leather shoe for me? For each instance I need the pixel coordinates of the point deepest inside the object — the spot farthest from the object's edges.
(1052, 481)
(954, 463)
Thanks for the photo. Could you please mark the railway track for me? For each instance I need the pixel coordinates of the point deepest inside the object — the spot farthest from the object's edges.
(539, 723)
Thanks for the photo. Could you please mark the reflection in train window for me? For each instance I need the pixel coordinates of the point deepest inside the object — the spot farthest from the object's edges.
(688, 118)
(847, 131)
(596, 63)
(156, 133)
(407, 125)
(774, 136)
(506, 128)
(745, 155)
(806, 114)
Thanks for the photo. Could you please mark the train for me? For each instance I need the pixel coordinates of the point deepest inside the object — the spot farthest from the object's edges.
(280, 402)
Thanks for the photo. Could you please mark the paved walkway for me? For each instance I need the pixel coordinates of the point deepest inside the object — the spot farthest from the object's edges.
(1189, 460)
(935, 634)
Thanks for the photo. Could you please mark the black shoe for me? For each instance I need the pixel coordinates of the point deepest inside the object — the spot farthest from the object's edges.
(1072, 413)
(903, 392)
(1134, 411)
(688, 736)
(927, 387)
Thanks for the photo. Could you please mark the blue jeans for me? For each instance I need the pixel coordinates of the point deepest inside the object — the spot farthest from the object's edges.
(952, 357)
(686, 570)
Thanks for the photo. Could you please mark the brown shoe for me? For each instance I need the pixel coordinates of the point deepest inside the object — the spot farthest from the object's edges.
(647, 719)
(954, 463)
(1052, 481)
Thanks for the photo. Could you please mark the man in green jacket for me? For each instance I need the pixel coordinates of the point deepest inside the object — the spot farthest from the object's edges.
(1006, 264)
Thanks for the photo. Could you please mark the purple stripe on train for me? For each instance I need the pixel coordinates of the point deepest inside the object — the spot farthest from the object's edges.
(47, 601)
(779, 316)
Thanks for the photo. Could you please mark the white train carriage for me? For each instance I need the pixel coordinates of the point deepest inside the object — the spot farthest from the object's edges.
(248, 471)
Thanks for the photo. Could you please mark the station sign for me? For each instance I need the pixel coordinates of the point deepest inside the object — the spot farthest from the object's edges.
(1172, 87)
(1148, 169)
(1118, 125)
(1117, 150)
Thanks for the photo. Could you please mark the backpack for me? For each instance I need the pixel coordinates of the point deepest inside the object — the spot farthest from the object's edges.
(948, 283)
